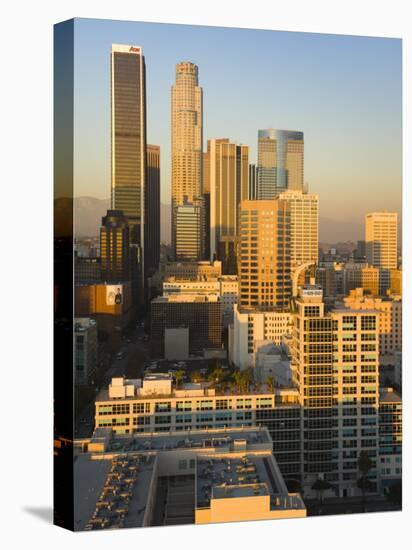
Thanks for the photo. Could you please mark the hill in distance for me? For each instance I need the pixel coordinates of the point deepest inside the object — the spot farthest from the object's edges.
(88, 213)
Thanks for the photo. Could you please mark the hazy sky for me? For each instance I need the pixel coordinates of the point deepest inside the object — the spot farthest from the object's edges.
(343, 92)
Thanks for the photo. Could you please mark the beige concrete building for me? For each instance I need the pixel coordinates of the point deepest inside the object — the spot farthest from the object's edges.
(389, 320)
(335, 361)
(189, 231)
(361, 276)
(187, 136)
(156, 404)
(192, 271)
(228, 184)
(225, 287)
(251, 328)
(304, 226)
(208, 476)
(381, 238)
(396, 282)
(264, 262)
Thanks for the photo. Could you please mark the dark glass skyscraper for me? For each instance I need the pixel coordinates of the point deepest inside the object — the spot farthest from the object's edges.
(128, 149)
(114, 247)
(152, 230)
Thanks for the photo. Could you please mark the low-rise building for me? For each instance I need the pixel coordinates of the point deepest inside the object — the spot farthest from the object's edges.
(85, 350)
(254, 325)
(192, 271)
(156, 404)
(390, 318)
(207, 476)
(195, 321)
(226, 287)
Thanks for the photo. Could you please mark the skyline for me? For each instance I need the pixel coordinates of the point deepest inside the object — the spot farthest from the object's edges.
(350, 108)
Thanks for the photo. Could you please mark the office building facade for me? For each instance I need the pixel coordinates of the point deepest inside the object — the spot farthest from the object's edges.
(128, 136)
(264, 259)
(304, 227)
(189, 231)
(85, 351)
(381, 239)
(152, 230)
(115, 247)
(187, 141)
(228, 182)
(280, 162)
(194, 322)
(335, 361)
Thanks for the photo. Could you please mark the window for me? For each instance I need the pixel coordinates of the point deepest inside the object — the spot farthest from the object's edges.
(163, 407)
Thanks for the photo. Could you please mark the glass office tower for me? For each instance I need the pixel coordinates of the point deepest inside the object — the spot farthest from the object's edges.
(280, 162)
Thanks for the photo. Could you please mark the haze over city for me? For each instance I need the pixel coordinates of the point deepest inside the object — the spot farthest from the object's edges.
(328, 86)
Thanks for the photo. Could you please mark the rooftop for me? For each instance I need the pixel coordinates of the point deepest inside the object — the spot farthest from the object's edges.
(247, 476)
(111, 493)
(389, 395)
(213, 439)
(186, 298)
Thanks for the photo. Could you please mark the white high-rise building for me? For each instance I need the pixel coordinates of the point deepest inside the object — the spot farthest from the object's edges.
(304, 226)
(187, 139)
(381, 237)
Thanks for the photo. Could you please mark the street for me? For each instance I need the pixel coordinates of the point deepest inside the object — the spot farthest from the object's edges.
(134, 352)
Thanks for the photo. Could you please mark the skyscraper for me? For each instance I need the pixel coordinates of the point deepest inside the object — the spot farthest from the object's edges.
(128, 149)
(187, 139)
(335, 362)
(381, 237)
(115, 247)
(189, 224)
(229, 165)
(264, 254)
(304, 227)
(206, 199)
(280, 162)
(252, 182)
(152, 230)
(128, 138)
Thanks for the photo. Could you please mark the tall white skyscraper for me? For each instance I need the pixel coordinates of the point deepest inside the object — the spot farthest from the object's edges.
(187, 139)
(304, 227)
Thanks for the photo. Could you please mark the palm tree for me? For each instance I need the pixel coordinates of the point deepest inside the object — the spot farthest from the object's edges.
(320, 486)
(247, 377)
(179, 375)
(216, 375)
(238, 380)
(365, 464)
(270, 382)
(196, 376)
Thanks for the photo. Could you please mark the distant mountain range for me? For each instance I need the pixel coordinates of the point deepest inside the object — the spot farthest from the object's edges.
(88, 213)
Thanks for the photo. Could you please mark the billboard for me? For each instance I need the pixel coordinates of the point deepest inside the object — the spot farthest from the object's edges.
(114, 295)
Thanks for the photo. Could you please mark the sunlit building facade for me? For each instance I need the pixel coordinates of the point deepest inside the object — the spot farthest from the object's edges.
(381, 237)
(280, 162)
(228, 183)
(187, 139)
(264, 260)
(304, 227)
(335, 362)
